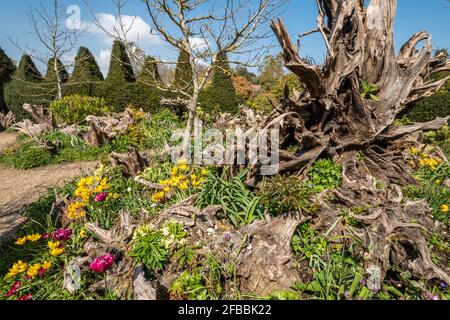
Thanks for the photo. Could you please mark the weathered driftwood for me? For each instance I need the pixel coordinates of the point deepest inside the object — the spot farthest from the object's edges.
(44, 122)
(6, 120)
(330, 116)
(106, 128)
(133, 162)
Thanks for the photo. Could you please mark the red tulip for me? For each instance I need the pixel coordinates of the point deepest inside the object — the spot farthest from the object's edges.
(102, 263)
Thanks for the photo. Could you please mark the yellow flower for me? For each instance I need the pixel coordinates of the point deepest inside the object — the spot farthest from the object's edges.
(34, 237)
(157, 197)
(55, 248)
(83, 234)
(184, 185)
(445, 208)
(204, 172)
(33, 270)
(54, 244)
(115, 195)
(21, 241)
(57, 252)
(47, 265)
(166, 189)
(16, 269)
(414, 151)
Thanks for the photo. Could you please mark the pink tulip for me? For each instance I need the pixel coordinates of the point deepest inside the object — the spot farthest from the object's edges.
(46, 235)
(101, 197)
(62, 234)
(16, 286)
(102, 263)
(26, 297)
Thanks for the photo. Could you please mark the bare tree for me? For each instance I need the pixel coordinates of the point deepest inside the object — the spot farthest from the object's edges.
(49, 27)
(204, 30)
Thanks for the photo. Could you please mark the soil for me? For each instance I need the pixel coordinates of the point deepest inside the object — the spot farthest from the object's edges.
(19, 188)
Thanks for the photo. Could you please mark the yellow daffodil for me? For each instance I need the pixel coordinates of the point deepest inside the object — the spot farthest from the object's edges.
(54, 244)
(17, 268)
(157, 197)
(445, 208)
(21, 241)
(34, 237)
(57, 252)
(83, 234)
(47, 265)
(33, 270)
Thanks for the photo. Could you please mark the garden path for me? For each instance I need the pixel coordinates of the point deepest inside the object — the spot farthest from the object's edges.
(19, 188)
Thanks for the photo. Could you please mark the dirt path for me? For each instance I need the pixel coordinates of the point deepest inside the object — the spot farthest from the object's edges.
(18, 188)
(7, 139)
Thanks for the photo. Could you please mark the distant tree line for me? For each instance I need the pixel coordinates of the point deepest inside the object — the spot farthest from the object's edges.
(120, 88)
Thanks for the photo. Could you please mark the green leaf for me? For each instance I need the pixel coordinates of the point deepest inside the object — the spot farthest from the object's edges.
(374, 98)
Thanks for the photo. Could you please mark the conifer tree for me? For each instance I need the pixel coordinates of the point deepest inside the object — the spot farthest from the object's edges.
(221, 95)
(86, 74)
(25, 87)
(183, 73)
(7, 68)
(150, 72)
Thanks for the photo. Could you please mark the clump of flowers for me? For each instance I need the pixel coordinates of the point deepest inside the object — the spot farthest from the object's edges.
(425, 160)
(56, 248)
(174, 234)
(38, 269)
(17, 268)
(102, 263)
(31, 238)
(182, 177)
(88, 188)
(12, 291)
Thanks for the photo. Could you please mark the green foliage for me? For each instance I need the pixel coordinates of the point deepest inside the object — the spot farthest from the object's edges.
(183, 74)
(240, 205)
(284, 295)
(85, 74)
(430, 108)
(325, 175)
(338, 279)
(74, 109)
(275, 93)
(220, 95)
(308, 245)
(148, 248)
(150, 74)
(369, 90)
(27, 156)
(7, 68)
(432, 189)
(271, 71)
(190, 285)
(152, 132)
(25, 87)
(120, 69)
(286, 195)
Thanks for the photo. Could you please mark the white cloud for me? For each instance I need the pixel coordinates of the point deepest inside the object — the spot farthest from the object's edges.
(198, 44)
(103, 59)
(136, 29)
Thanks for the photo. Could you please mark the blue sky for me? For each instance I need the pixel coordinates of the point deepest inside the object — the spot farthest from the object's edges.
(300, 16)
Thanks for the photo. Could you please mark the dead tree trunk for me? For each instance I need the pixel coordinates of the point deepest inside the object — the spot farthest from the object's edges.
(331, 116)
